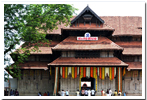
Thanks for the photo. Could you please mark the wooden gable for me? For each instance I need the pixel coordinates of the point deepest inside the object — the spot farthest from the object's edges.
(87, 18)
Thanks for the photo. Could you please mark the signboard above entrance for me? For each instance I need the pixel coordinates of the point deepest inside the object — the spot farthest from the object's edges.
(85, 84)
(87, 36)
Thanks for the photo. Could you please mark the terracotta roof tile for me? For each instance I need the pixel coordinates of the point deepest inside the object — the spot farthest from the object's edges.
(105, 27)
(131, 48)
(130, 44)
(112, 61)
(33, 65)
(43, 48)
(132, 51)
(134, 65)
(71, 43)
(123, 25)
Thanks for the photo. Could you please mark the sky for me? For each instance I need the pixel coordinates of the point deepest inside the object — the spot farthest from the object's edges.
(101, 8)
(112, 8)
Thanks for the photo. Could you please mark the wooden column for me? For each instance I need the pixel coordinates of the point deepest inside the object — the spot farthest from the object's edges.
(81, 75)
(121, 79)
(119, 76)
(96, 80)
(54, 93)
(56, 81)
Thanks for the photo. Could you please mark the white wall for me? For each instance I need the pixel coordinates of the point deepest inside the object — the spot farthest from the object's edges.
(13, 83)
(6, 84)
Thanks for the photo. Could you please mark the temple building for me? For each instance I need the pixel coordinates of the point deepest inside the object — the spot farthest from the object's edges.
(96, 52)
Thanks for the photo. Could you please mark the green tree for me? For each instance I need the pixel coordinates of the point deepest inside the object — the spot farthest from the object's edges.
(29, 24)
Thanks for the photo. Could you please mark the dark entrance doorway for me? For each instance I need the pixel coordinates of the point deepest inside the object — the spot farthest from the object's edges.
(87, 83)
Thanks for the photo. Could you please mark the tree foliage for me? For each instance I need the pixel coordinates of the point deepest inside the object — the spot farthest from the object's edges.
(22, 23)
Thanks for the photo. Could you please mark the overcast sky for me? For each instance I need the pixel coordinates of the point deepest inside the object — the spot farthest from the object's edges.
(113, 8)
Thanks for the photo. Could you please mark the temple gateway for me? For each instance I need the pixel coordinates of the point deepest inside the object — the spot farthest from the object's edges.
(96, 52)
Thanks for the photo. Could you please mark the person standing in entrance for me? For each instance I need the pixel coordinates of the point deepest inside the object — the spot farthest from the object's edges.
(62, 93)
(78, 93)
(124, 93)
(45, 94)
(83, 92)
(107, 92)
(67, 93)
(89, 92)
(86, 92)
(92, 92)
(110, 92)
(39, 94)
(16, 92)
(48, 94)
(11, 93)
(119, 93)
(102, 92)
(115, 93)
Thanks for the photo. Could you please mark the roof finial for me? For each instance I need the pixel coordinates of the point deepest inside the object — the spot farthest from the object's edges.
(87, 5)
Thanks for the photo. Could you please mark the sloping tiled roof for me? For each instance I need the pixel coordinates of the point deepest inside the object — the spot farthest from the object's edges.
(33, 65)
(71, 43)
(133, 44)
(131, 48)
(58, 31)
(132, 51)
(43, 48)
(105, 27)
(111, 61)
(123, 25)
(134, 65)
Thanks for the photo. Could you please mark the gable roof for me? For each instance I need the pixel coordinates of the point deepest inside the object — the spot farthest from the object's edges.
(71, 43)
(87, 9)
(71, 61)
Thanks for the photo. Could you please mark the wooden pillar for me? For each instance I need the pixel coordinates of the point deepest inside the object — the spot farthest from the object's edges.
(121, 79)
(96, 80)
(119, 70)
(81, 75)
(88, 72)
(56, 81)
